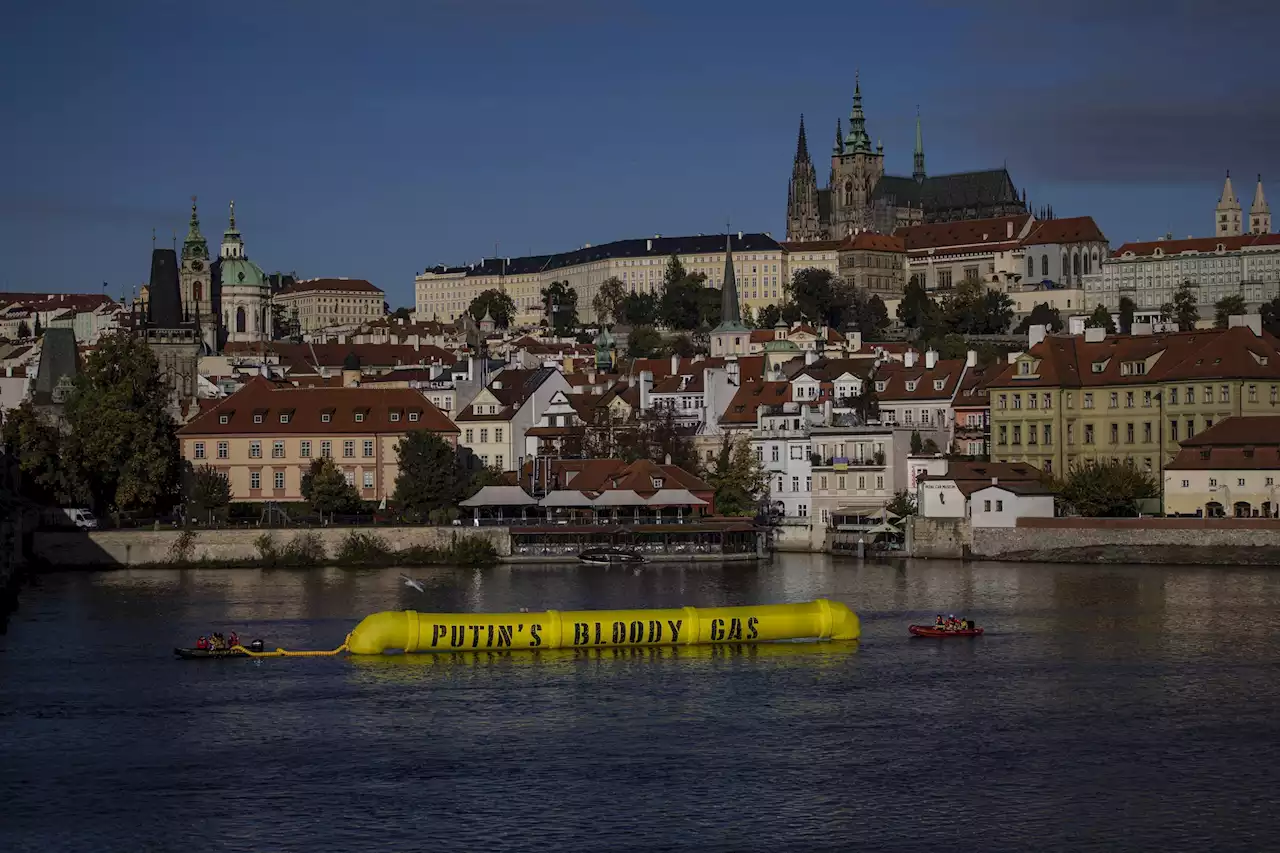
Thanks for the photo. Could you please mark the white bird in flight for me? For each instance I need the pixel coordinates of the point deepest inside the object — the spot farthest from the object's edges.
(413, 584)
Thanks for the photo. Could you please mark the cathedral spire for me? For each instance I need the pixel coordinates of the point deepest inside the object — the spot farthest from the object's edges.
(802, 144)
(730, 313)
(858, 140)
(838, 148)
(918, 173)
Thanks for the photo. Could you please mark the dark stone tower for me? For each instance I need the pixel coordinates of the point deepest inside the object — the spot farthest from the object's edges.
(172, 335)
(802, 195)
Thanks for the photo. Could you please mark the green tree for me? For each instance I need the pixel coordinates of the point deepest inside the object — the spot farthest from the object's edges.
(1041, 315)
(560, 304)
(930, 446)
(681, 305)
(769, 316)
(903, 504)
(1182, 310)
(813, 291)
(1101, 319)
(645, 342)
(1227, 307)
(24, 331)
(1127, 308)
(748, 317)
(121, 440)
(326, 487)
(36, 445)
(403, 313)
(917, 443)
(1271, 316)
(674, 272)
(739, 478)
(639, 309)
(208, 491)
(432, 474)
(499, 305)
(681, 345)
(660, 436)
(1106, 488)
(607, 303)
(37, 329)
(914, 308)
(709, 308)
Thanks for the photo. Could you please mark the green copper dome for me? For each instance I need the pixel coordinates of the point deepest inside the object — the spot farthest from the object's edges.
(242, 272)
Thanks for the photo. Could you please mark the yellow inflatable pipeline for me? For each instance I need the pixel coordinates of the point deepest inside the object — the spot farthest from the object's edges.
(410, 631)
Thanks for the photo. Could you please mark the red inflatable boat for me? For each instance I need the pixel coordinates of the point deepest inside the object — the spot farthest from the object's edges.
(931, 631)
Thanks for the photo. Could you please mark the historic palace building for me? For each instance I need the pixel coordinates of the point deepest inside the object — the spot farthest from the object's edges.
(860, 197)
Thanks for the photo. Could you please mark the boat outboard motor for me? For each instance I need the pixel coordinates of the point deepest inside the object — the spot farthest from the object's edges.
(256, 646)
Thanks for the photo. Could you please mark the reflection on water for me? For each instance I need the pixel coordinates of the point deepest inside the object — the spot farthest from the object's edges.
(1107, 708)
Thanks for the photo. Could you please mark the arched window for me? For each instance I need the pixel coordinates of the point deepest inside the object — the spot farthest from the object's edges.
(240, 320)
(1066, 267)
(1044, 265)
(1031, 268)
(1095, 260)
(1075, 264)
(848, 193)
(199, 290)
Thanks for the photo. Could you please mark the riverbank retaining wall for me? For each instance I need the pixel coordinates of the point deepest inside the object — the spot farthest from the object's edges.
(138, 547)
(1190, 541)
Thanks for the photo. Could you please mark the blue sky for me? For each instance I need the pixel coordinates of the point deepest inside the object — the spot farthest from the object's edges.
(374, 139)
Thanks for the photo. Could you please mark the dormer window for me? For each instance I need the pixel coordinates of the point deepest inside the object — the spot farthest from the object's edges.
(1024, 368)
(224, 419)
(359, 417)
(257, 418)
(911, 385)
(284, 418)
(395, 417)
(413, 417)
(1099, 366)
(657, 482)
(1133, 368)
(938, 384)
(325, 417)
(880, 384)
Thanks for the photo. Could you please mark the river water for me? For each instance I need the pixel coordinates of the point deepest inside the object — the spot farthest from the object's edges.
(1113, 708)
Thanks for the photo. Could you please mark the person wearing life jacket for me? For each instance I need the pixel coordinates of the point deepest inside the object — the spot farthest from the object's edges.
(233, 640)
(202, 644)
(939, 622)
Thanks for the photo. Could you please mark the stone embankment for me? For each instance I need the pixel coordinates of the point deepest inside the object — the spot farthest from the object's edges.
(143, 547)
(1186, 541)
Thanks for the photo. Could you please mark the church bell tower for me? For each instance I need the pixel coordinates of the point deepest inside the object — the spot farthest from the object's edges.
(194, 278)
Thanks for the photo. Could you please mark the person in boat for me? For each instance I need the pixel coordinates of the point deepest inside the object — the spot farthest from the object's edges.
(233, 640)
(939, 622)
(202, 643)
(218, 642)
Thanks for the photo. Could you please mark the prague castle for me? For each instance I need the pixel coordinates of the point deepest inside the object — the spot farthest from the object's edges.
(860, 197)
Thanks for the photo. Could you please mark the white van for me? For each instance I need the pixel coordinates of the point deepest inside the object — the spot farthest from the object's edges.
(81, 518)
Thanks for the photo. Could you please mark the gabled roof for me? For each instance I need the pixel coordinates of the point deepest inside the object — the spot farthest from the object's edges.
(957, 191)
(306, 407)
(966, 232)
(904, 384)
(1198, 244)
(1249, 443)
(1074, 229)
(751, 396)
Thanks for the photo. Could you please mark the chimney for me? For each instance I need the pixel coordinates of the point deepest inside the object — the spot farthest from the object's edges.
(826, 412)
(1095, 335)
(930, 359)
(646, 386)
(909, 358)
(648, 245)
(810, 356)
(675, 364)
(668, 458)
(1252, 321)
(971, 358)
(739, 236)
(1008, 231)
(1036, 334)
(497, 384)
(995, 481)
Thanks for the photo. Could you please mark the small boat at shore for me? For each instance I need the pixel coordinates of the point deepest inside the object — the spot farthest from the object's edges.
(200, 654)
(611, 556)
(932, 631)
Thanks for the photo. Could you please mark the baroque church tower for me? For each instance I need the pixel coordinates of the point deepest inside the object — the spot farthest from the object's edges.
(245, 290)
(1259, 212)
(803, 224)
(1229, 212)
(194, 280)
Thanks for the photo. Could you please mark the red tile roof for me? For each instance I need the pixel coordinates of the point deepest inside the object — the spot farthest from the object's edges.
(305, 408)
(751, 396)
(332, 285)
(813, 246)
(1068, 361)
(1073, 229)
(904, 383)
(870, 242)
(1198, 244)
(1249, 443)
(966, 232)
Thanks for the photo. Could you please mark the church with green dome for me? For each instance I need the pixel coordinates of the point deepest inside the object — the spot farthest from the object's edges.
(245, 290)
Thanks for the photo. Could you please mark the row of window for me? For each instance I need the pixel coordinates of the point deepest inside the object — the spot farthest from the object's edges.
(223, 449)
(467, 435)
(325, 417)
(1032, 434)
(1241, 482)
(255, 480)
(862, 481)
(1013, 435)
(1177, 396)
